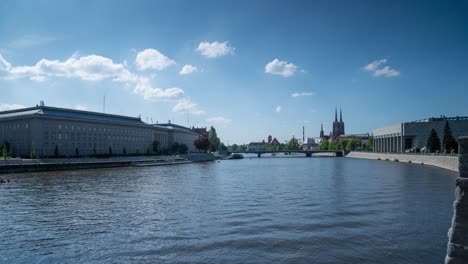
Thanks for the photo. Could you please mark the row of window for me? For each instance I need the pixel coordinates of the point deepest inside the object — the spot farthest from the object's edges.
(52, 126)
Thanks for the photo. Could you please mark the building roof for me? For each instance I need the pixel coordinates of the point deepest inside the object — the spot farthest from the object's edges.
(356, 135)
(48, 111)
(441, 118)
(175, 127)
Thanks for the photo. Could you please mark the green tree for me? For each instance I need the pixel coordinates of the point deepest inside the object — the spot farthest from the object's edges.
(56, 151)
(77, 152)
(33, 152)
(324, 145)
(332, 145)
(183, 149)
(293, 144)
(433, 141)
(353, 144)
(94, 149)
(214, 140)
(148, 150)
(370, 143)
(234, 147)
(175, 148)
(448, 142)
(222, 147)
(165, 151)
(124, 151)
(110, 151)
(156, 146)
(8, 145)
(4, 152)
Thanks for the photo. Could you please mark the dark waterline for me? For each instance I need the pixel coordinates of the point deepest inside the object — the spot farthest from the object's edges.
(288, 210)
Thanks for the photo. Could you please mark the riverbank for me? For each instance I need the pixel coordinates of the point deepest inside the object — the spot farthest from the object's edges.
(445, 162)
(36, 165)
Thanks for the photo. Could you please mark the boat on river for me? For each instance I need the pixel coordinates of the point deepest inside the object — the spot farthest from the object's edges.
(235, 156)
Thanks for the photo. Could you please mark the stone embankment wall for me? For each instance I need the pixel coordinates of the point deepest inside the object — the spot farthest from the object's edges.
(457, 248)
(445, 162)
(18, 165)
(199, 157)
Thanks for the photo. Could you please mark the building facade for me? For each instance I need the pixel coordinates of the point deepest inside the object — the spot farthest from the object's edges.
(413, 135)
(180, 134)
(45, 130)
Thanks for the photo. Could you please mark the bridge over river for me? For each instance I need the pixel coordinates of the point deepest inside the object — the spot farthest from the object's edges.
(308, 153)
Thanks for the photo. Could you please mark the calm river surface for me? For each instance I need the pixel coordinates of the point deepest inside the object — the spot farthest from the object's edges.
(267, 210)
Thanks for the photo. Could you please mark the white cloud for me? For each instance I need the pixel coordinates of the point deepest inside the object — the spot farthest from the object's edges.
(4, 65)
(38, 78)
(185, 105)
(215, 49)
(278, 109)
(187, 69)
(89, 68)
(374, 65)
(143, 88)
(302, 94)
(6, 107)
(282, 68)
(96, 68)
(152, 59)
(387, 72)
(376, 68)
(219, 120)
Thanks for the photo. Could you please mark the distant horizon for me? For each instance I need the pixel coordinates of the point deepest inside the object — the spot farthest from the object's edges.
(248, 69)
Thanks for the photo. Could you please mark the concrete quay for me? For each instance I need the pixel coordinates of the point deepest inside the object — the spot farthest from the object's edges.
(441, 161)
(36, 165)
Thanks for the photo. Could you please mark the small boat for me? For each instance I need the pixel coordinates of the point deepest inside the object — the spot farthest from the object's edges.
(236, 156)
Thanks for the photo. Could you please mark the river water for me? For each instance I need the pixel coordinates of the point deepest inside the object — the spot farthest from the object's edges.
(258, 210)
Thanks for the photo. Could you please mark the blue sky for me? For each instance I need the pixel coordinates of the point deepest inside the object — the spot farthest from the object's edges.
(249, 68)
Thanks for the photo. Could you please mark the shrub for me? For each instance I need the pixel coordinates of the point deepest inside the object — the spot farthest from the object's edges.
(396, 160)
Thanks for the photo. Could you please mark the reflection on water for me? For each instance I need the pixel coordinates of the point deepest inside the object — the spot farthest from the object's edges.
(289, 210)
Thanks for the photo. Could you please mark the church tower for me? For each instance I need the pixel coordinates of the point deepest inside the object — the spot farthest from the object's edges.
(338, 126)
(322, 135)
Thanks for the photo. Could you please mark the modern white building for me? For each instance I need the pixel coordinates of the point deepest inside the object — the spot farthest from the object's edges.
(412, 135)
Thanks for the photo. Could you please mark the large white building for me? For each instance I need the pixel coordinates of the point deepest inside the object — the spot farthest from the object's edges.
(412, 135)
(43, 129)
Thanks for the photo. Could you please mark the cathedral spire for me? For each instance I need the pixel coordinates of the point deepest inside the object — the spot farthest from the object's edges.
(336, 115)
(341, 117)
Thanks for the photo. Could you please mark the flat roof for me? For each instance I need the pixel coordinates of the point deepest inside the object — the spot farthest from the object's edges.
(71, 113)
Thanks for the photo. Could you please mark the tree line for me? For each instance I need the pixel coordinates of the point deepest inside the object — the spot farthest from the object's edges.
(449, 144)
(347, 144)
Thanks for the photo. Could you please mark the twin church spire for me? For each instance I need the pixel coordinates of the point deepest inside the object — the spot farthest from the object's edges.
(338, 126)
(336, 115)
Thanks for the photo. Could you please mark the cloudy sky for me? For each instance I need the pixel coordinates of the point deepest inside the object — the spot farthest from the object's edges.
(249, 68)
